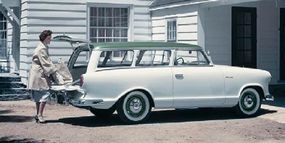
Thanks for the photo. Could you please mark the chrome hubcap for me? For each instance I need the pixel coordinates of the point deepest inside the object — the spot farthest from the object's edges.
(135, 105)
(248, 102)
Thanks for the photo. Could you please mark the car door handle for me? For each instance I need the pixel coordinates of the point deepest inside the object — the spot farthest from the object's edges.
(229, 77)
(179, 76)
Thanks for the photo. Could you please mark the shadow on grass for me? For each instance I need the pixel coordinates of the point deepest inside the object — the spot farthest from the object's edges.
(12, 139)
(158, 117)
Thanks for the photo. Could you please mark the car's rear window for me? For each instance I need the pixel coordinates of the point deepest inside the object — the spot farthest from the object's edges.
(116, 58)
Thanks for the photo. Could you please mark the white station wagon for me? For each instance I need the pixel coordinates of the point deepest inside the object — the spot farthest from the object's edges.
(134, 77)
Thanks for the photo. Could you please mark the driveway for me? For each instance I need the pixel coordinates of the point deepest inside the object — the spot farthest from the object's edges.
(70, 124)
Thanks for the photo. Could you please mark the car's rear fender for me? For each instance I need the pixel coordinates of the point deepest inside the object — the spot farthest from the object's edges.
(142, 89)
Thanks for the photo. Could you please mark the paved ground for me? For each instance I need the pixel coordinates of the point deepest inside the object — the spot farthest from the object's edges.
(70, 124)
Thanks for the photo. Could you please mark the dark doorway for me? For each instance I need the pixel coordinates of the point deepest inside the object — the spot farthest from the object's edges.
(282, 44)
(244, 37)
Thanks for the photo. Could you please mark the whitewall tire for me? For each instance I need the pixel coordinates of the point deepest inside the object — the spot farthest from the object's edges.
(134, 108)
(249, 102)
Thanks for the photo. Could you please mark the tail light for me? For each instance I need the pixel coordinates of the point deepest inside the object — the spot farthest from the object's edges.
(81, 80)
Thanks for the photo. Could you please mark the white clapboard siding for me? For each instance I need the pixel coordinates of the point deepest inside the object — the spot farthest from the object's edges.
(144, 10)
(75, 21)
(158, 37)
(50, 6)
(158, 30)
(187, 36)
(62, 17)
(187, 28)
(52, 14)
(158, 22)
(142, 22)
(186, 18)
(142, 37)
(69, 17)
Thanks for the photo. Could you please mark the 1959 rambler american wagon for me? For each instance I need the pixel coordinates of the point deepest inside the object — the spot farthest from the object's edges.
(134, 77)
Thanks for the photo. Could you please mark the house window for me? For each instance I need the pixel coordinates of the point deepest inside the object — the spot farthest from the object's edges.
(109, 25)
(3, 36)
(171, 31)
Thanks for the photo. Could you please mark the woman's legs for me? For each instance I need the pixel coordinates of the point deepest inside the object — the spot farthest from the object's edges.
(41, 110)
(42, 107)
(38, 107)
(42, 104)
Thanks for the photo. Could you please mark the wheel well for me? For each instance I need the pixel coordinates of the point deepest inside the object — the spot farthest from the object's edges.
(141, 90)
(258, 89)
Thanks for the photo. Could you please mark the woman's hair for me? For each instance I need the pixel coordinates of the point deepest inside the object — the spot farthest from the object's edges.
(45, 34)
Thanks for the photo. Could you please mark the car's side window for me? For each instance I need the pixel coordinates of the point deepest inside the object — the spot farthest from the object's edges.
(82, 59)
(190, 57)
(108, 58)
(153, 58)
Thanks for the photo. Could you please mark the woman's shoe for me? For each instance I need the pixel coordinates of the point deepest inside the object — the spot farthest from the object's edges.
(41, 119)
(36, 118)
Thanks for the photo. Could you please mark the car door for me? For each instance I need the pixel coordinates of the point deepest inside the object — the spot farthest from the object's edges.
(196, 83)
(78, 62)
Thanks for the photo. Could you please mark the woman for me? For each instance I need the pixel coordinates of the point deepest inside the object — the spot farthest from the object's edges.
(41, 70)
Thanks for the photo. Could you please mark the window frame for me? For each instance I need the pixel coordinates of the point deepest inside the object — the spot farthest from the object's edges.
(4, 30)
(130, 57)
(127, 29)
(154, 55)
(112, 28)
(191, 65)
(167, 39)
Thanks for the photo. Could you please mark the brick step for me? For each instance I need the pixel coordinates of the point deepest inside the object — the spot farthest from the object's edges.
(10, 79)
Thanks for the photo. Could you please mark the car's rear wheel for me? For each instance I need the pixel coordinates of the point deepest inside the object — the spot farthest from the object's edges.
(134, 108)
(249, 103)
(102, 113)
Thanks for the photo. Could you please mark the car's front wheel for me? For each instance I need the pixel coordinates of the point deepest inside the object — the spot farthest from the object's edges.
(249, 102)
(134, 108)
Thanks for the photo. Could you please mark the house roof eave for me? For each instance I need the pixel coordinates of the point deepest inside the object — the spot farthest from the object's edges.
(202, 3)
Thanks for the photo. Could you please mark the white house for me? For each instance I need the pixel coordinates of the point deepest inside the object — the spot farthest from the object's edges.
(96, 20)
(245, 33)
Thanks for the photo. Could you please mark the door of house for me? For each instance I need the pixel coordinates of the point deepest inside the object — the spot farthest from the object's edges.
(244, 37)
(282, 44)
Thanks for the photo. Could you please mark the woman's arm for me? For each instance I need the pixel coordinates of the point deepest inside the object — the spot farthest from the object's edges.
(46, 63)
